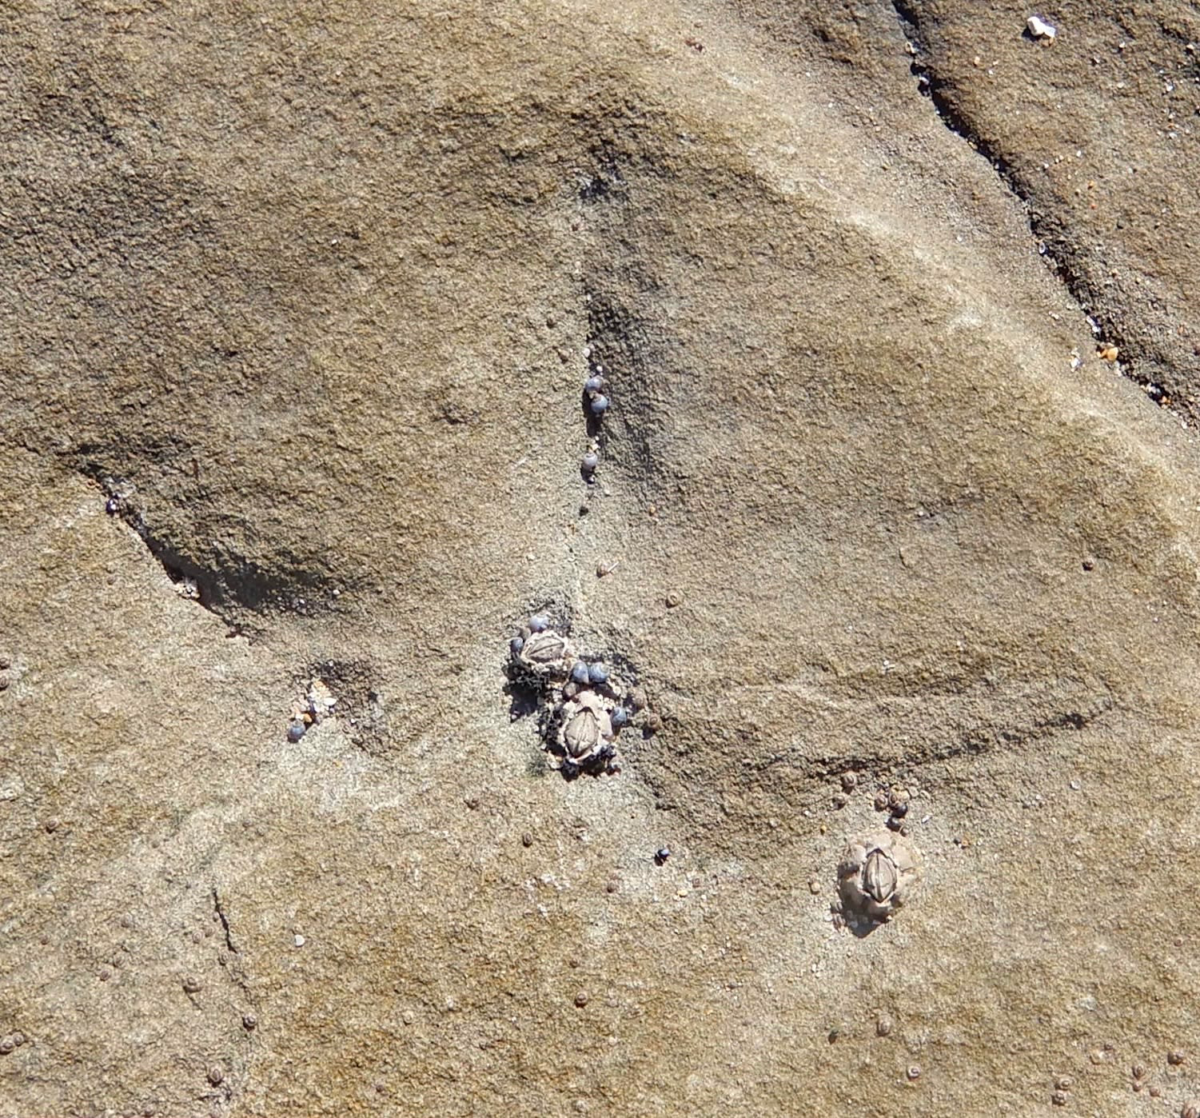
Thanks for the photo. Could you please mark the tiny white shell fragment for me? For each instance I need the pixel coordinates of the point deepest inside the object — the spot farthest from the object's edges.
(321, 700)
(1040, 29)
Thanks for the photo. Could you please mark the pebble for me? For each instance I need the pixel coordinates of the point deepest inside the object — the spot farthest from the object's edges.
(299, 940)
(1040, 29)
(599, 405)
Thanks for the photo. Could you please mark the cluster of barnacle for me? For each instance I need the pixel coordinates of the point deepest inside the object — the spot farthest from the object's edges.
(581, 702)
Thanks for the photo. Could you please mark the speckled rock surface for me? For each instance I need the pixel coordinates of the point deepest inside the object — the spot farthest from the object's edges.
(298, 309)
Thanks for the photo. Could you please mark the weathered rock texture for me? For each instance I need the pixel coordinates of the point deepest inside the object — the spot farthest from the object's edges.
(304, 294)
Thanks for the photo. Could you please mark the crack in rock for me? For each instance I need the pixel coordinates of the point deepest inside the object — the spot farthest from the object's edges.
(1051, 235)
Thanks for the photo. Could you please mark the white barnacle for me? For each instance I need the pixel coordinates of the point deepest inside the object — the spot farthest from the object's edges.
(585, 729)
(581, 733)
(545, 656)
(877, 874)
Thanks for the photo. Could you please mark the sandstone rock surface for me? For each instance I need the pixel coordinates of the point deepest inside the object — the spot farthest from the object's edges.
(297, 308)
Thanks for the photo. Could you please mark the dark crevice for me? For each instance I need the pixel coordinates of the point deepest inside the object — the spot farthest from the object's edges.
(234, 964)
(230, 585)
(220, 911)
(1054, 244)
(623, 345)
(605, 183)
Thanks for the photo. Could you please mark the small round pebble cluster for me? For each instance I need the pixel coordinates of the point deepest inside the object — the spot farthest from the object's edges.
(581, 702)
(597, 404)
(593, 389)
(895, 801)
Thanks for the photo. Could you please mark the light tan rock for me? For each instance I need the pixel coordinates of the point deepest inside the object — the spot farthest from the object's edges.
(304, 297)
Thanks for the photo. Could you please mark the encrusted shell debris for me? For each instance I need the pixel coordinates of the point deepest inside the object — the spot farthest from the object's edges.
(321, 700)
(877, 875)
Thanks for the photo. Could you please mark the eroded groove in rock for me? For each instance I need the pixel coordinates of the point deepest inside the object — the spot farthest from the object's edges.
(1054, 240)
(226, 583)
